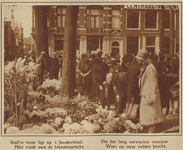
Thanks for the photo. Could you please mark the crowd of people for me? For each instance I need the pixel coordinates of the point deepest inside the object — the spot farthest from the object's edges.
(142, 79)
(139, 78)
(47, 67)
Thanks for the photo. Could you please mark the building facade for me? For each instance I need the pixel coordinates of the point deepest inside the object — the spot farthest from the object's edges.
(13, 41)
(117, 29)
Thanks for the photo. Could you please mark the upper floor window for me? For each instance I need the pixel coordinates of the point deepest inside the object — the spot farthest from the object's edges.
(94, 19)
(52, 17)
(63, 17)
(150, 19)
(166, 19)
(115, 18)
(133, 18)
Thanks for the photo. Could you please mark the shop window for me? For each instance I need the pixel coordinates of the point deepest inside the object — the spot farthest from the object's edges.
(150, 19)
(150, 45)
(115, 18)
(166, 19)
(132, 18)
(77, 44)
(94, 43)
(59, 45)
(132, 44)
(150, 41)
(166, 45)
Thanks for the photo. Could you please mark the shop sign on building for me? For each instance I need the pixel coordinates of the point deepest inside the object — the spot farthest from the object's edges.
(150, 7)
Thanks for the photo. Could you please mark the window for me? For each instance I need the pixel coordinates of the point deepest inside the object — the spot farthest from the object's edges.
(150, 45)
(115, 18)
(60, 19)
(94, 43)
(115, 49)
(166, 19)
(77, 44)
(132, 44)
(132, 18)
(94, 19)
(53, 17)
(150, 19)
(63, 17)
(166, 48)
(59, 45)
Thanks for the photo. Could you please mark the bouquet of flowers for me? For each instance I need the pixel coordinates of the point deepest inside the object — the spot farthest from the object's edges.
(51, 84)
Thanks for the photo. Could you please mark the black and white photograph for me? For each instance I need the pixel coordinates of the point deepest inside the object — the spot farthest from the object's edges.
(91, 75)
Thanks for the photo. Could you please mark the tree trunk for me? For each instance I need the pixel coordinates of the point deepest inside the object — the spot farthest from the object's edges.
(162, 31)
(69, 53)
(41, 31)
(172, 33)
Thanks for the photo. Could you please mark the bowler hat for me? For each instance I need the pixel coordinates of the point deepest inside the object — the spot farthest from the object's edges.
(142, 54)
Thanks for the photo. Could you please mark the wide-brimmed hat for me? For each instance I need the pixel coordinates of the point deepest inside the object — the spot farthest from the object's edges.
(83, 55)
(43, 53)
(104, 56)
(99, 50)
(112, 61)
(142, 54)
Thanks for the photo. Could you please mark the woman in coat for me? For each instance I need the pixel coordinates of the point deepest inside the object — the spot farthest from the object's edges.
(150, 104)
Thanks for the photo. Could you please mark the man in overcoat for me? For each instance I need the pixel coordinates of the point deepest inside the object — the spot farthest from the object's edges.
(132, 88)
(41, 67)
(53, 66)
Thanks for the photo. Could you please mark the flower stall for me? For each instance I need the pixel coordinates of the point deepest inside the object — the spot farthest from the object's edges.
(47, 113)
(16, 86)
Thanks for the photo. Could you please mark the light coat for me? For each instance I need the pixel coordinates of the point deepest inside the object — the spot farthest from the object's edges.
(150, 104)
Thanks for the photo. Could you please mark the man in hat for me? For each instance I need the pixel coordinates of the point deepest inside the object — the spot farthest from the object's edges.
(41, 67)
(126, 61)
(84, 76)
(99, 53)
(105, 58)
(107, 91)
(132, 88)
(53, 66)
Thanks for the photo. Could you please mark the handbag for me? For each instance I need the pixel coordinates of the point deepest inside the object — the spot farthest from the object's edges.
(133, 111)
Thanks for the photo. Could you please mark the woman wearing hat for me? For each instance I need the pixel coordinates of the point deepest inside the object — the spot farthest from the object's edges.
(150, 104)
